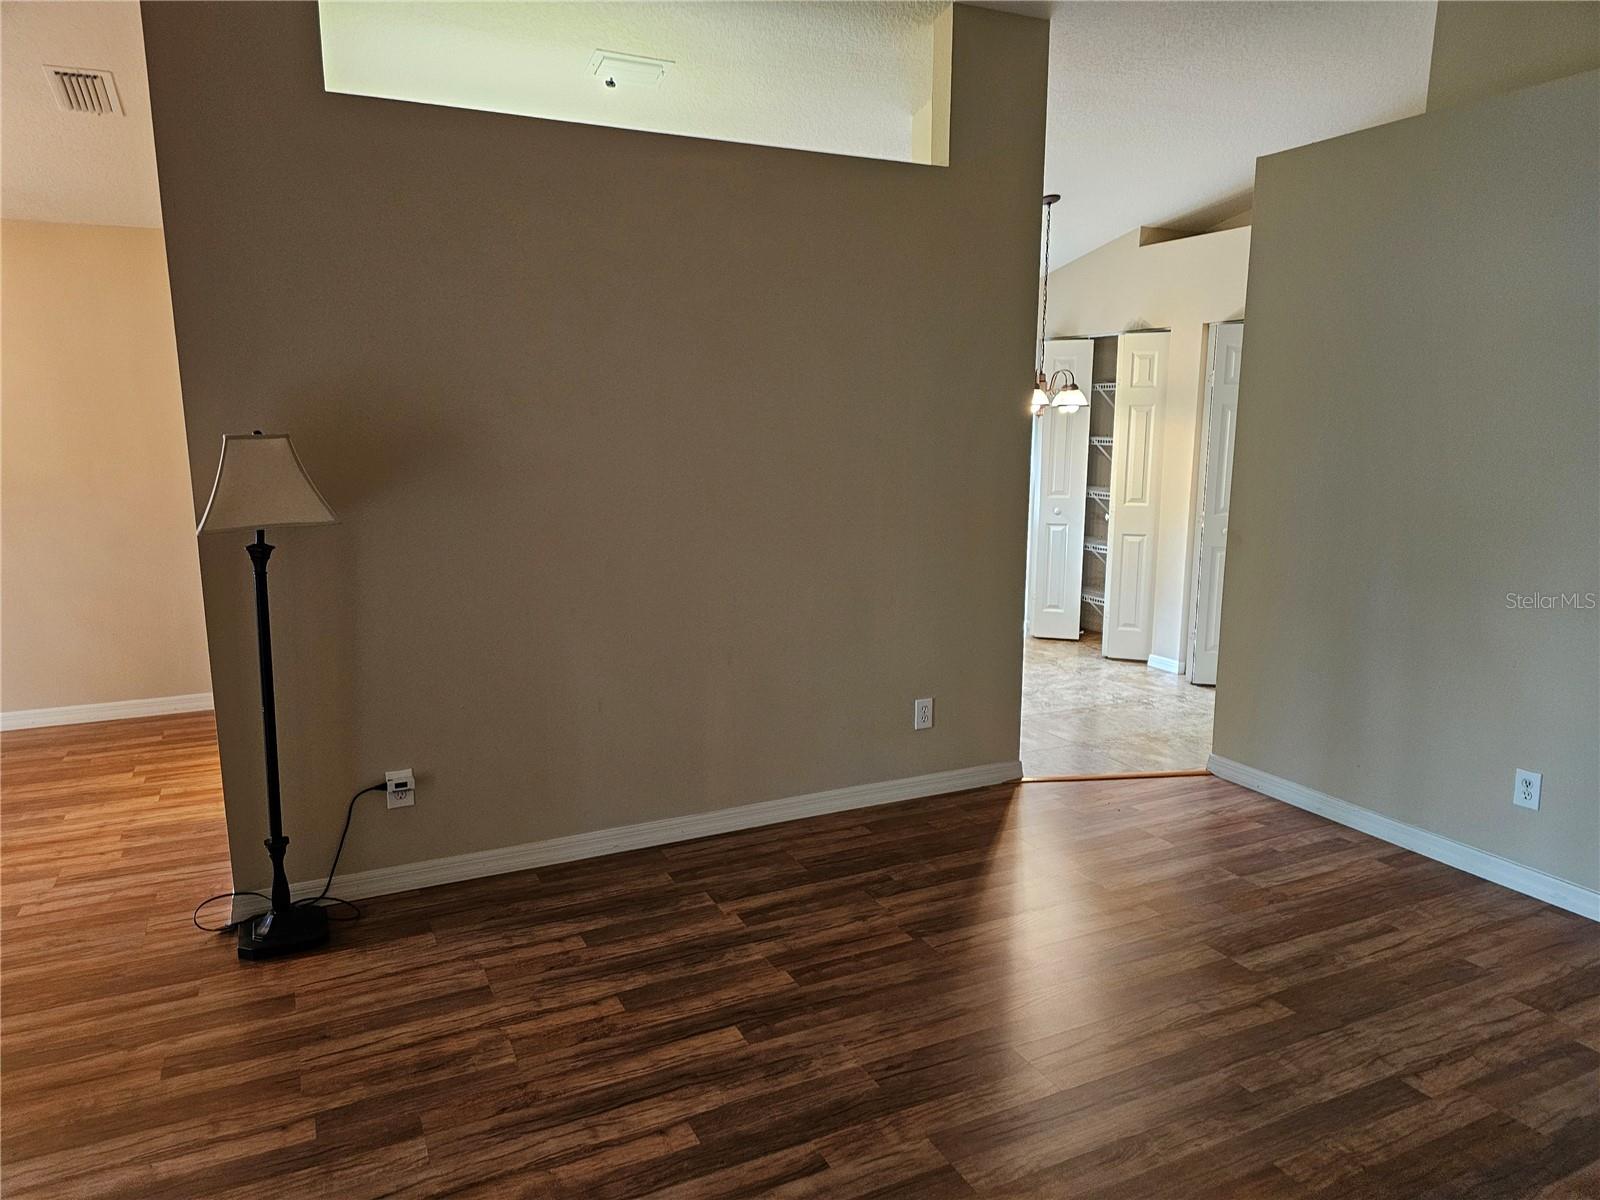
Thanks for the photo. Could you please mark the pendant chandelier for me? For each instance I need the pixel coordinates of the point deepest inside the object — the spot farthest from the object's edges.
(1061, 389)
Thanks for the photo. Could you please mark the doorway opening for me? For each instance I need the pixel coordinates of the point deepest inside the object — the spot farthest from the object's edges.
(109, 747)
(1121, 634)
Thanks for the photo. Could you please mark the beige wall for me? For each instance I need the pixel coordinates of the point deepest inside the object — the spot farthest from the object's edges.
(671, 471)
(1485, 47)
(1182, 285)
(101, 587)
(1420, 437)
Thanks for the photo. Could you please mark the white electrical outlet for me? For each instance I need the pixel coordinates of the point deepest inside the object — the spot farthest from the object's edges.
(401, 788)
(922, 713)
(1525, 791)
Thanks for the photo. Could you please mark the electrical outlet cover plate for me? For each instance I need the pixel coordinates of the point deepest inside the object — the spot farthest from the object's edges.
(401, 788)
(1525, 790)
(922, 713)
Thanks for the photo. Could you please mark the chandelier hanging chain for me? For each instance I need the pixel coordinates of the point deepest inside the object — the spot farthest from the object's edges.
(1044, 272)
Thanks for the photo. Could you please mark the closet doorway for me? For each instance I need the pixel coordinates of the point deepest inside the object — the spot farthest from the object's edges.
(1094, 507)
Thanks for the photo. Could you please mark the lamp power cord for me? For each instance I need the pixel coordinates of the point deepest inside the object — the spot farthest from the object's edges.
(321, 898)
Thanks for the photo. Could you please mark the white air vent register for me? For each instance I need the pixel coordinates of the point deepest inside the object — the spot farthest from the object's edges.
(84, 90)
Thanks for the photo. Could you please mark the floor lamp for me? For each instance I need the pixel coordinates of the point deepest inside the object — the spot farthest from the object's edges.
(261, 484)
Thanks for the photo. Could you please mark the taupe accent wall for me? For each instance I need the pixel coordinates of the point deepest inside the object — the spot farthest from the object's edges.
(97, 552)
(671, 471)
(1482, 48)
(1419, 447)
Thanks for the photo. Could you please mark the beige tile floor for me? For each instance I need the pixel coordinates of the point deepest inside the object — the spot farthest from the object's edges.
(1083, 714)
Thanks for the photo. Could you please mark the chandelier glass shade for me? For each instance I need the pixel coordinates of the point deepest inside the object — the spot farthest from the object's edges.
(1064, 391)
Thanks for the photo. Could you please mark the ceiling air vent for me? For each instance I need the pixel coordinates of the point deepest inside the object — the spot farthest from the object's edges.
(84, 90)
(627, 70)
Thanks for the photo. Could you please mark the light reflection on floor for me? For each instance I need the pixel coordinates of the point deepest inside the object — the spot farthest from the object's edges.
(1050, 918)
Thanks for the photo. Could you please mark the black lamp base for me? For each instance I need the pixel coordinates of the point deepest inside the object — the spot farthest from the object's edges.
(301, 927)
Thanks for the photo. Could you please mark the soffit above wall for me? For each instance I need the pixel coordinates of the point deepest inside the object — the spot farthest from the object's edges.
(846, 78)
(1158, 111)
(65, 166)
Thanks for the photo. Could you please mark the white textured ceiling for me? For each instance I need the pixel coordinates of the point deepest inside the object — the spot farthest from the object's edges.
(64, 166)
(1158, 111)
(839, 77)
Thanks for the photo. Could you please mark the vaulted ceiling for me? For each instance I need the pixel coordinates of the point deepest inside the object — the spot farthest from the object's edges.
(1158, 111)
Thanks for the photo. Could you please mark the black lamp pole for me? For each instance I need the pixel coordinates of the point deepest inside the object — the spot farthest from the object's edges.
(287, 927)
(259, 552)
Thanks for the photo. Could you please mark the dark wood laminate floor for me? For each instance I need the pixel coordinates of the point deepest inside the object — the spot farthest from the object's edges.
(1150, 988)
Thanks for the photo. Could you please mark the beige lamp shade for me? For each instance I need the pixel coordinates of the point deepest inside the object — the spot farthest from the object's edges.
(261, 483)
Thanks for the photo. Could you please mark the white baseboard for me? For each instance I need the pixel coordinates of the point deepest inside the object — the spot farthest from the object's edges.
(1172, 665)
(111, 710)
(388, 880)
(1530, 882)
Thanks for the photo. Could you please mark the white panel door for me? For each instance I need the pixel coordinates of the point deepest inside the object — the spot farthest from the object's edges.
(1222, 412)
(1060, 474)
(1135, 493)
